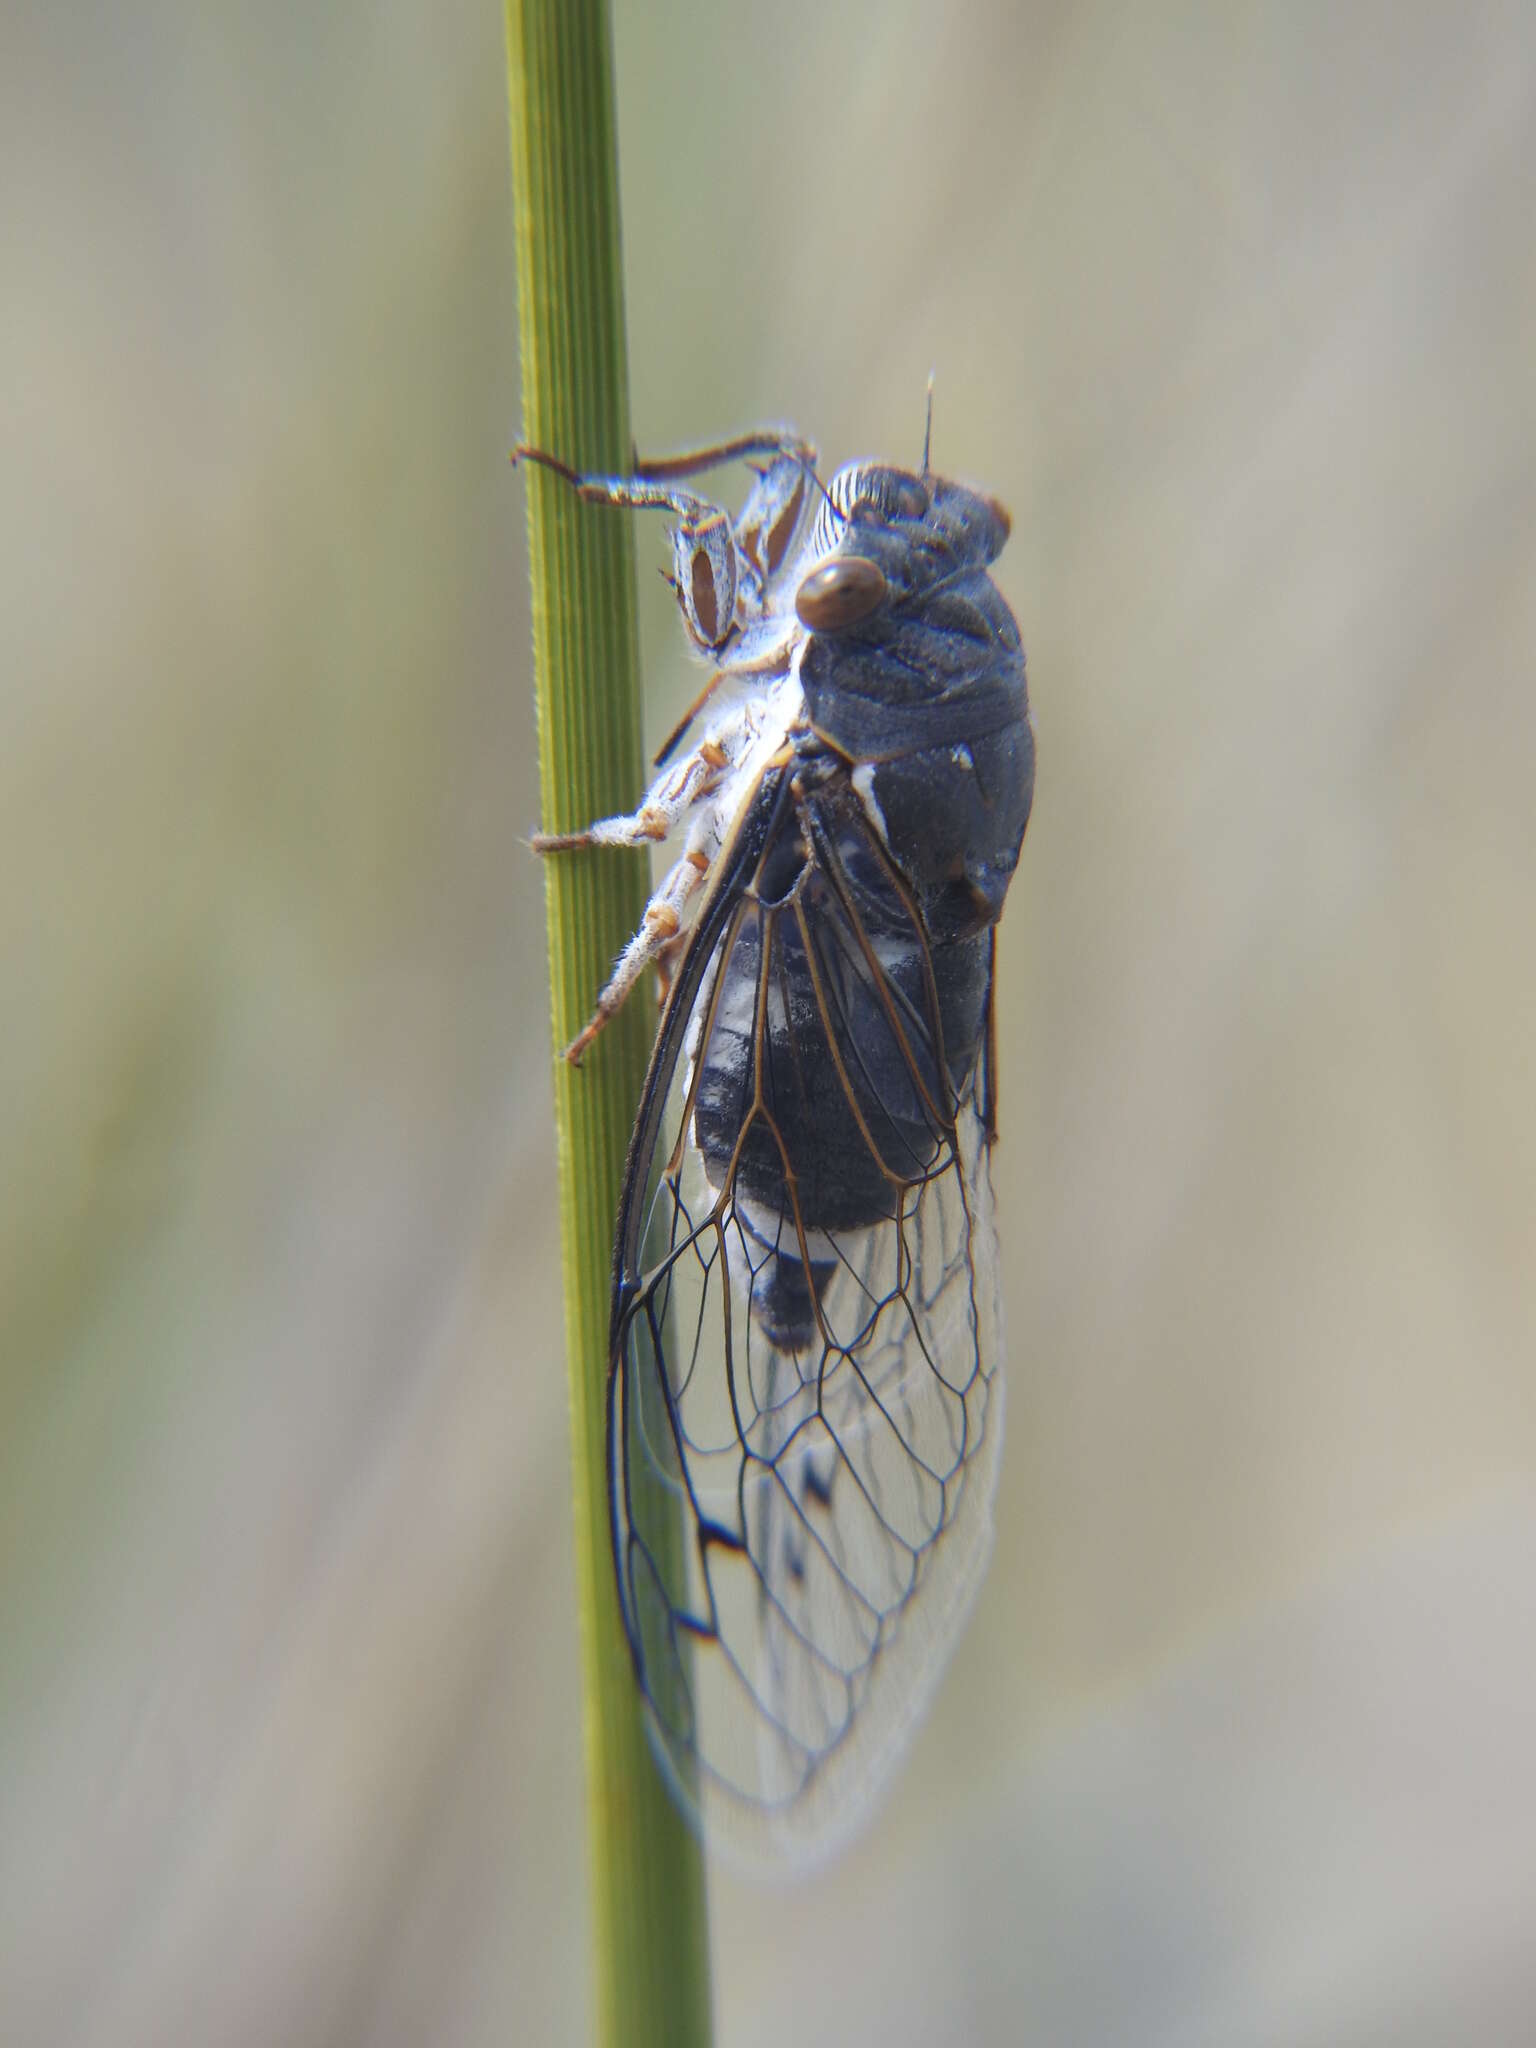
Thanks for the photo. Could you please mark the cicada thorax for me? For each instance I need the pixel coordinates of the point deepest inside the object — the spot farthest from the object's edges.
(835, 1045)
(927, 696)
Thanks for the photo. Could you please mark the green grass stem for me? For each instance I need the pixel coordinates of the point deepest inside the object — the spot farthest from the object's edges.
(649, 1915)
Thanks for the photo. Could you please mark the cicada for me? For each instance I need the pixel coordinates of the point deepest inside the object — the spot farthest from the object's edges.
(805, 1399)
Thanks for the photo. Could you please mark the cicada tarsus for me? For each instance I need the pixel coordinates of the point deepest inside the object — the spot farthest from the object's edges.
(805, 1396)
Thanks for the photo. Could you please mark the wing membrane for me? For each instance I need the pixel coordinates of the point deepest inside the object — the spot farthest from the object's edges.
(806, 1342)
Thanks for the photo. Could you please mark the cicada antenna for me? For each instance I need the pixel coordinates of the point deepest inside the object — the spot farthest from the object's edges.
(928, 428)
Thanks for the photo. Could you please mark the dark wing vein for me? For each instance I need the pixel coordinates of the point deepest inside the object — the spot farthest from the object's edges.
(804, 1398)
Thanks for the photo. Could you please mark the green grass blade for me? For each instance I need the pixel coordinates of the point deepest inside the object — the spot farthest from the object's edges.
(649, 1918)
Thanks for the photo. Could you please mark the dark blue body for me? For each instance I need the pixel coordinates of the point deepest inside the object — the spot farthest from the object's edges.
(850, 1000)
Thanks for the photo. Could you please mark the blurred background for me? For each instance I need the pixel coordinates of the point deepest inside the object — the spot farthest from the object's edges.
(1234, 305)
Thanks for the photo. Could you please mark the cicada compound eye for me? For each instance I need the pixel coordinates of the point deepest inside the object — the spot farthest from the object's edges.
(840, 594)
(706, 580)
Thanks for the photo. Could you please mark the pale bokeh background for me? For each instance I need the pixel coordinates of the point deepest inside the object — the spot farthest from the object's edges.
(1236, 306)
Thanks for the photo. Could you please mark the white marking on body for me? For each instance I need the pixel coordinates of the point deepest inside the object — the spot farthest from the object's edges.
(863, 780)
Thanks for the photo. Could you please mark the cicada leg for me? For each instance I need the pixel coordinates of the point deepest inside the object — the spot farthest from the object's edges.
(721, 573)
(773, 511)
(721, 566)
(706, 561)
(671, 798)
(655, 944)
(772, 442)
(667, 802)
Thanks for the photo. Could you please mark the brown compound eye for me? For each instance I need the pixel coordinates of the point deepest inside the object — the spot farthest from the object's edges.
(840, 594)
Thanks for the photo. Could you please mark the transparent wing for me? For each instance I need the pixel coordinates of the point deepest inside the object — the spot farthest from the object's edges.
(805, 1404)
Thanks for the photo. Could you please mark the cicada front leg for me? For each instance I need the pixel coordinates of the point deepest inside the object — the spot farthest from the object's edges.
(721, 565)
(773, 511)
(706, 560)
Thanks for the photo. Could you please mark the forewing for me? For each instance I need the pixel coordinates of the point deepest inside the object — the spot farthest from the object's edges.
(806, 1405)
